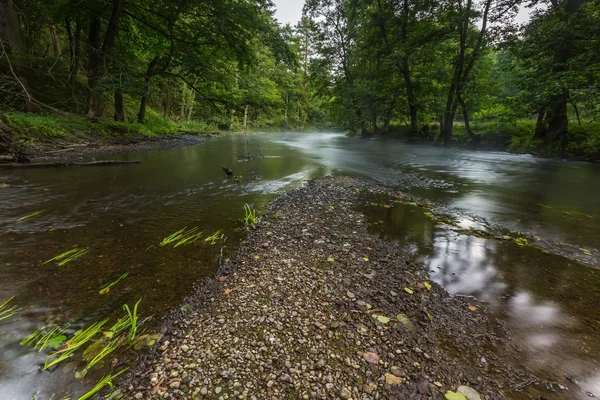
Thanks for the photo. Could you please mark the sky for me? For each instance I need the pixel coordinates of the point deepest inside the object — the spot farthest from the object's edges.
(290, 11)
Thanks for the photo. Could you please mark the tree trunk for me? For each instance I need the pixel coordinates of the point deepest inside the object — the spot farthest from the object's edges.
(246, 116)
(99, 65)
(183, 98)
(286, 109)
(146, 93)
(3, 15)
(93, 68)
(541, 131)
(557, 117)
(74, 48)
(119, 106)
(55, 42)
(191, 106)
(465, 113)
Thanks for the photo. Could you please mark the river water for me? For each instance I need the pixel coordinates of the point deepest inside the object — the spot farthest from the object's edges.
(547, 294)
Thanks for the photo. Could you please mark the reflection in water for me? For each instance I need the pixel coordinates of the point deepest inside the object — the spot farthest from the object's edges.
(546, 301)
(118, 212)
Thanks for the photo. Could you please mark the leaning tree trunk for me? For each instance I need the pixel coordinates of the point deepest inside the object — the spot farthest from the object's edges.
(55, 42)
(146, 94)
(74, 39)
(119, 106)
(465, 113)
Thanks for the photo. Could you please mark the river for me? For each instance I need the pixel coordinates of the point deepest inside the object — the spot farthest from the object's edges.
(547, 294)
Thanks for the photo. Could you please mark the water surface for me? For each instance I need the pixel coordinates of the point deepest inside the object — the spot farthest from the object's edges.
(121, 213)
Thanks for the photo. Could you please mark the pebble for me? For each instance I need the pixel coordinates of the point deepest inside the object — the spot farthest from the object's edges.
(469, 393)
(345, 393)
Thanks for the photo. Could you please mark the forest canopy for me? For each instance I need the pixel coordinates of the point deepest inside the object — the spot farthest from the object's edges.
(449, 71)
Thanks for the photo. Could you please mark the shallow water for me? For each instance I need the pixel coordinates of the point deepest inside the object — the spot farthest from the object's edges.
(121, 214)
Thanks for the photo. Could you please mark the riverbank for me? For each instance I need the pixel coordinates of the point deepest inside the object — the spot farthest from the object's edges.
(313, 306)
(515, 137)
(52, 138)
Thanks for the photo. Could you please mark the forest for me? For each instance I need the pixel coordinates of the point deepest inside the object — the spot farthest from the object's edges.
(446, 72)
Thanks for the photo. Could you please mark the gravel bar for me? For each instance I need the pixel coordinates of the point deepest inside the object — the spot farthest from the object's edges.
(313, 306)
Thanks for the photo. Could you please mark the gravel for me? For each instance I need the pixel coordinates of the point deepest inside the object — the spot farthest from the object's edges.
(314, 307)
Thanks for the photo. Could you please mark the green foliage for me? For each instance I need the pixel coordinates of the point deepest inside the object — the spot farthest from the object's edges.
(68, 256)
(106, 380)
(250, 217)
(5, 311)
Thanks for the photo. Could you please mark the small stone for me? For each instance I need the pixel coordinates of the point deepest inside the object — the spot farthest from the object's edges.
(270, 384)
(154, 381)
(350, 294)
(469, 393)
(185, 348)
(218, 389)
(371, 358)
(397, 371)
(392, 379)
(175, 384)
(345, 393)
(138, 395)
(204, 391)
(438, 384)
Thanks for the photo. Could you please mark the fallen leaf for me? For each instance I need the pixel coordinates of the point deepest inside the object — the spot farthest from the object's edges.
(371, 358)
(392, 379)
(408, 290)
(427, 285)
(256, 257)
(383, 319)
(227, 292)
(586, 252)
(365, 258)
(330, 259)
(472, 308)
(454, 396)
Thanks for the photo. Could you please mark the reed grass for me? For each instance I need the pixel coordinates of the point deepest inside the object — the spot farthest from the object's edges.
(68, 256)
(33, 214)
(183, 237)
(79, 339)
(5, 311)
(214, 238)
(250, 217)
(106, 289)
(106, 380)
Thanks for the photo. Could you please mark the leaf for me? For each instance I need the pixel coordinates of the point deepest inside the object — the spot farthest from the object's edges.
(365, 258)
(392, 379)
(408, 290)
(472, 308)
(256, 257)
(228, 292)
(454, 396)
(522, 242)
(427, 285)
(383, 319)
(330, 259)
(81, 374)
(586, 252)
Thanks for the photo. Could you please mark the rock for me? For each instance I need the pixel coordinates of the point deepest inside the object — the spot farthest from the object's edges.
(397, 371)
(345, 393)
(218, 390)
(138, 395)
(392, 379)
(371, 358)
(204, 391)
(185, 348)
(350, 294)
(175, 384)
(469, 393)
(270, 384)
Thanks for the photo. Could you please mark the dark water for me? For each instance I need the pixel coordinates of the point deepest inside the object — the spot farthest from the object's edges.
(549, 299)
